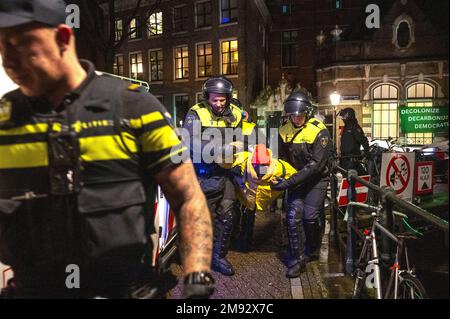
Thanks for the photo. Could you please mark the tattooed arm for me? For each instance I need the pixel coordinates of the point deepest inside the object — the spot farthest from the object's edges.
(183, 192)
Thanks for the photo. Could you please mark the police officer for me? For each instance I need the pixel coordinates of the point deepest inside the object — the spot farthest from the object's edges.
(206, 121)
(351, 140)
(305, 144)
(75, 167)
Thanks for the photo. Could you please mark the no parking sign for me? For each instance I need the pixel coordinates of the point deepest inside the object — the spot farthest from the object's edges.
(397, 172)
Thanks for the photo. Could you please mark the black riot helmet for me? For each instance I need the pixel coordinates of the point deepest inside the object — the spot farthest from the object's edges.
(347, 114)
(298, 103)
(219, 85)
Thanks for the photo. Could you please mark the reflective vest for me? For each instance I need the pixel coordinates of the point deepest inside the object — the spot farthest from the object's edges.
(208, 119)
(255, 193)
(297, 142)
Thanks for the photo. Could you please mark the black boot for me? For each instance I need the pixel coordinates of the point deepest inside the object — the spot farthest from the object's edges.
(221, 246)
(246, 235)
(313, 231)
(296, 267)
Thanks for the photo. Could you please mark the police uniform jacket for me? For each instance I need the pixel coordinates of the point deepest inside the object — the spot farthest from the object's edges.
(207, 136)
(116, 168)
(308, 149)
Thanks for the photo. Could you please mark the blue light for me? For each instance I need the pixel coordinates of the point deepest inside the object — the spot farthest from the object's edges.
(225, 19)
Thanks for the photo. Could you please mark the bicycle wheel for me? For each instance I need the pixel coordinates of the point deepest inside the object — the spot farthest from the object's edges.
(409, 287)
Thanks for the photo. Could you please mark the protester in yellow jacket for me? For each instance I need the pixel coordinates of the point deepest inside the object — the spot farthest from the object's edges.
(253, 173)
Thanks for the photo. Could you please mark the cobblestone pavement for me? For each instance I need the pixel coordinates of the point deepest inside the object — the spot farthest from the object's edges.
(260, 274)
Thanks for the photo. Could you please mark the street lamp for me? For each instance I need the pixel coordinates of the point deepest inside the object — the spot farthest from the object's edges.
(335, 99)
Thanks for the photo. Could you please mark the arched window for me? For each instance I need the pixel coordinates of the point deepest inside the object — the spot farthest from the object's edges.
(385, 114)
(419, 94)
(403, 34)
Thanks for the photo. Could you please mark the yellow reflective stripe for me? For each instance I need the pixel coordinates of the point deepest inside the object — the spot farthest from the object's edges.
(109, 147)
(309, 133)
(247, 128)
(162, 159)
(26, 129)
(23, 155)
(159, 139)
(146, 119)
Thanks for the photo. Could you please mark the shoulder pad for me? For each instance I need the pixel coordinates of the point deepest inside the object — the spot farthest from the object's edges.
(316, 123)
(136, 88)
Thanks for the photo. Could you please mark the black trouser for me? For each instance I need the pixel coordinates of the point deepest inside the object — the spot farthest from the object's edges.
(220, 204)
(305, 206)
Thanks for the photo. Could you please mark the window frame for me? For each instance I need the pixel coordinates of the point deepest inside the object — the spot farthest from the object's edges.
(138, 29)
(384, 101)
(131, 68)
(184, 18)
(118, 34)
(204, 14)
(424, 101)
(118, 67)
(175, 116)
(230, 10)
(197, 57)
(159, 24)
(175, 68)
(150, 72)
(293, 48)
(230, 56)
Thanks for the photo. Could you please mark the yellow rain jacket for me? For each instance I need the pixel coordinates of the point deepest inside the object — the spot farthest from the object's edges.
(252, 192)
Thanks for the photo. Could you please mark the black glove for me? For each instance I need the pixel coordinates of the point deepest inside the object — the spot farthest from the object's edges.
(198, 285)
(282, 184)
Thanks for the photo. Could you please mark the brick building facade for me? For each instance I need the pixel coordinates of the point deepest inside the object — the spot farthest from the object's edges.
(184, 42)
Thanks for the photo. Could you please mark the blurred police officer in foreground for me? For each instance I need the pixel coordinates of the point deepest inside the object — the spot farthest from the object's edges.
(77, 155)
(351, 140)
(305, 144)
(215, 113)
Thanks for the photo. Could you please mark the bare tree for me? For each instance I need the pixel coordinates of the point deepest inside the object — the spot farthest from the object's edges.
(94, 21)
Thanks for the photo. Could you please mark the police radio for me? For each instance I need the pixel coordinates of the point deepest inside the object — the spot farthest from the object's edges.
(64, 163)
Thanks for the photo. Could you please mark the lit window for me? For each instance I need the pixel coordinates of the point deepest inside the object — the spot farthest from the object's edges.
(136, 66)
(118, 65)
(135, 28)
(385, 112)
(156, 65)
(155, 24)
(420, 94)
(228, 11)
(204, 60)
(338, 4)
(181, 63)
(285, 8)
(203, 12)
(118, 30)
(230, 57)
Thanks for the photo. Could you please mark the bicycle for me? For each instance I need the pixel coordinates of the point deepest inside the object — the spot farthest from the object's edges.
(403, 282)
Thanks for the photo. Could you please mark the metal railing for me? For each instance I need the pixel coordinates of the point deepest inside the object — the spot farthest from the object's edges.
(387, 200)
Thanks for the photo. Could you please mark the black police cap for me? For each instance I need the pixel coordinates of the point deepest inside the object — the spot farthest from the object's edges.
(17, 12)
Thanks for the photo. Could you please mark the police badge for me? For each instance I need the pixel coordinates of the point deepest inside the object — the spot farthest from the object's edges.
(324, 141)
(5, 110)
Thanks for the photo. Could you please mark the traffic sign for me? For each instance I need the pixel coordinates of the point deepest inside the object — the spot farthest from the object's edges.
(396, 172)
(361, 191)
(424, 173)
